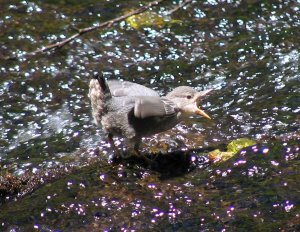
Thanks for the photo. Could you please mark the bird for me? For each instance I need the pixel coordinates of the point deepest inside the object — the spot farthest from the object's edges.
(133, 111)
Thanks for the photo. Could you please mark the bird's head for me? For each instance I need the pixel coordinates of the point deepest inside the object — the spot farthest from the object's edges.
(187, 100)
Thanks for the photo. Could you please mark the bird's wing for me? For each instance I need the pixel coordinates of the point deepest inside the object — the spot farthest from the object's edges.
(126, 88)
(153, 106)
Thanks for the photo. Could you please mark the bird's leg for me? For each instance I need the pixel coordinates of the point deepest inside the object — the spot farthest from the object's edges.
(136, 149)
(112, 144)
(138, 154)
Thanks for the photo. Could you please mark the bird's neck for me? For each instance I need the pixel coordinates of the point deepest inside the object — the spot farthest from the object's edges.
(181, 116)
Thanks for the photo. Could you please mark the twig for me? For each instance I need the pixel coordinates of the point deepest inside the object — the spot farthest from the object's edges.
(179, 6)
(89, 29)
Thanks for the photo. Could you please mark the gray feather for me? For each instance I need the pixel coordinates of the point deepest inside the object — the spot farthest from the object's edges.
(125, 88)
(153, 106)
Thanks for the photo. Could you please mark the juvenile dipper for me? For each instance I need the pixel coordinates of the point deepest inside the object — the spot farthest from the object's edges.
(134, 111)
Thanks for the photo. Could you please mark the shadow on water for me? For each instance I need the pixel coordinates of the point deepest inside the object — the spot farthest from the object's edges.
(172, 164)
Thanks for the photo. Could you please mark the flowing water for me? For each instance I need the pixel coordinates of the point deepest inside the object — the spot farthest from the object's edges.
(247, 51)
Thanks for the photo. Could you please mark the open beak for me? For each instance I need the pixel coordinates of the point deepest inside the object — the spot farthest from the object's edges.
(201, 112)
(197, 108)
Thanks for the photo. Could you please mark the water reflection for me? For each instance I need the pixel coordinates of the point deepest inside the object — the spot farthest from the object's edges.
(246, 51)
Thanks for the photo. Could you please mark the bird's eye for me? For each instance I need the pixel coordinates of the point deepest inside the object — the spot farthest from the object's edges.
(188, 96)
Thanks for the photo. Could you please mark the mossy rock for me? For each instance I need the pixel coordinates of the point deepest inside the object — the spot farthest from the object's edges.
(238, 144)
(232, 148)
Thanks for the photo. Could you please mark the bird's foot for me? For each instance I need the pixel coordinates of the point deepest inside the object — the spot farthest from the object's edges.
(118, 156)
(115, 158)
(154, 156)
(144, 158)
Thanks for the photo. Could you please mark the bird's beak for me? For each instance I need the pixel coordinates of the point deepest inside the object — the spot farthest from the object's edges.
(201, 112)
(202, 93)
(197, 108)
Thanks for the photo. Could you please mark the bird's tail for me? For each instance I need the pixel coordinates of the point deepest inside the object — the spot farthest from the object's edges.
(103, 84)
(99, 94)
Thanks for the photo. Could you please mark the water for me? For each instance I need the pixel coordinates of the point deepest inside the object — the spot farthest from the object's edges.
(248, 52)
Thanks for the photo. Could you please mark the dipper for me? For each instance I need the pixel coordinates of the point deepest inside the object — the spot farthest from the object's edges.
(134, 111)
